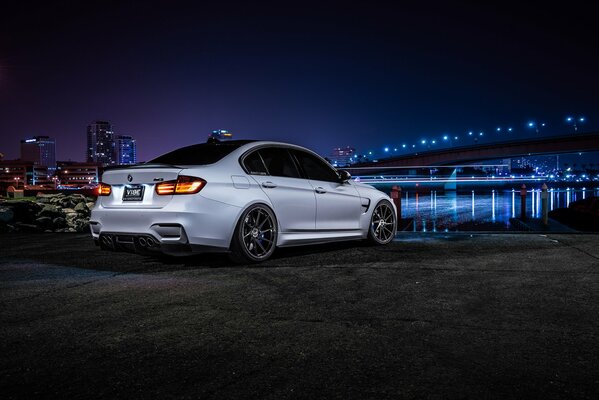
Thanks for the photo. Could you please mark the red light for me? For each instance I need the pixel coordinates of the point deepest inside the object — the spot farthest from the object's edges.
(104, 189)
(183, 185)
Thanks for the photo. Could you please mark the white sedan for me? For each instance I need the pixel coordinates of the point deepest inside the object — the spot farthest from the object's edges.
(242, 197)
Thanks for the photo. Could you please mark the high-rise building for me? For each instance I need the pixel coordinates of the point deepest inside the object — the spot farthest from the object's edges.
(126, 150)
(41, 150)
(100, 143)
(342, 156)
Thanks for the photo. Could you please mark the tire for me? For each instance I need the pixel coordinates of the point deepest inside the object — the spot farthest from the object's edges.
(255, 236)
(383, 224)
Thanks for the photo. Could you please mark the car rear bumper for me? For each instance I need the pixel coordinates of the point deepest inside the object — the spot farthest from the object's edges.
(184, 226)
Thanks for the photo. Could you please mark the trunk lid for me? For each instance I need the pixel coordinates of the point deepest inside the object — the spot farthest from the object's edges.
(126, 182)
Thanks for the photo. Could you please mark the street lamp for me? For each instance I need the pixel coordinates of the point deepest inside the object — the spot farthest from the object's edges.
(574, 121)
(448, 138)
(536, 126)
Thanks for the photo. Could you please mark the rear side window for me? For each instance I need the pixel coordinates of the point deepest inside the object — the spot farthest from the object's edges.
(254, 165)
(278, 162)
(197, 154)
(315, 168)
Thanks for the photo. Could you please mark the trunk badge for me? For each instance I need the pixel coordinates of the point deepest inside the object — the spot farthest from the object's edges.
(129, 178)
(158, 179)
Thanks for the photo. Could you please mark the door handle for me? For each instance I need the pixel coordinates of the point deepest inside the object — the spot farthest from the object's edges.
(269, 185)
(320, 190)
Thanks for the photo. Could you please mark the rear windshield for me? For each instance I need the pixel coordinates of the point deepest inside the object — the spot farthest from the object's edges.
(198, 154)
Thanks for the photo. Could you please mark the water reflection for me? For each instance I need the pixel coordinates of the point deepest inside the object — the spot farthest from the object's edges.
(451, 211)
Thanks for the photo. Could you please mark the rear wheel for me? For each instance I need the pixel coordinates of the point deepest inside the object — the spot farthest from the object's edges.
(382, 223)
(255, 236)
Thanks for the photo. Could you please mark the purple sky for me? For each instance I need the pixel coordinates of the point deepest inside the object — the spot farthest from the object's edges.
(368, 76)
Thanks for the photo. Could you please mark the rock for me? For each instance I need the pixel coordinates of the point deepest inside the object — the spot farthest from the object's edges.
(49, 210)
(46, 198)
(90, 204)
(69, 211)
(44, 223)
(59, 222)
(67, 203)
(81, 207)
(81, 225)
(6, 214)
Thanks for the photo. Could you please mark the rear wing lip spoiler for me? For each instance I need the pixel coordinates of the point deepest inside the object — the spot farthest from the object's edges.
(141, 166)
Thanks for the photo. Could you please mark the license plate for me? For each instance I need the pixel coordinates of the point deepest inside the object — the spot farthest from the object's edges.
(133, 193)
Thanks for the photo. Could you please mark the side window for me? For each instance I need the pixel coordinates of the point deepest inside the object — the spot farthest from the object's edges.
(254, 165)
(279, 162)
(315, 168)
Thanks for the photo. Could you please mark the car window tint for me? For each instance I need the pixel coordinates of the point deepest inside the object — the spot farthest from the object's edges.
(315, 168)
(254, 165)
(279, 162)
(199, 154)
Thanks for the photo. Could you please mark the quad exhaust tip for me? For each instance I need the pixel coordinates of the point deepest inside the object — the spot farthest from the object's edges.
(147, 242)
(107, 241)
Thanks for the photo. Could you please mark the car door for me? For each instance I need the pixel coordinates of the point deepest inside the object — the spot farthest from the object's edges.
(292, 196)
(338, 204)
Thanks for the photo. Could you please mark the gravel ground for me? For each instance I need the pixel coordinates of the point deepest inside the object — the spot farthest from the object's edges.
(429, 316)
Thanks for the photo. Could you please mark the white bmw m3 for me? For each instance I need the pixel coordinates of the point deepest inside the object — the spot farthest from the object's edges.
(242, 197)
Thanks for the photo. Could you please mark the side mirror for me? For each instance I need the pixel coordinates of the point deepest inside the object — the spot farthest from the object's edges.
(344, 176)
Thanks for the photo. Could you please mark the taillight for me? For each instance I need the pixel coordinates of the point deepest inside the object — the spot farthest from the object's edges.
(166, 187)
(183, 185)
(104, 189)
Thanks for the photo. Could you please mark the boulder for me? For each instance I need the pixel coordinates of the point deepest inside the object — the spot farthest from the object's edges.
(59, 222)
(82, 208)
(49, 210)
(81, 225)
(67, 202)
(44, 223)
(90, 204)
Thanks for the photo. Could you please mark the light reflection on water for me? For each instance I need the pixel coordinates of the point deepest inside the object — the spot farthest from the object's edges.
(453, 211)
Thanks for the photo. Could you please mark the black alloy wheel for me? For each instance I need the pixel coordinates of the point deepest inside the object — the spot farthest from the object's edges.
(382, 224)
(255, 237)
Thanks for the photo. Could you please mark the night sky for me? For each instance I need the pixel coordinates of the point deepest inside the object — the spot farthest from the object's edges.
(366, 75)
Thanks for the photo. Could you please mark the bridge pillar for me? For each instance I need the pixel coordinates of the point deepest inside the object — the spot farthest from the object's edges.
(396, 197)
(544, 208)
(523, 202)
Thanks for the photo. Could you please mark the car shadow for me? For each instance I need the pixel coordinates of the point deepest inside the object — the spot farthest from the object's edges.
(78, 251)
(283, 257)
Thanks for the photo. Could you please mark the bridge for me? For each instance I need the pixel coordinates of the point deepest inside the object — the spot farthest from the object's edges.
(468, 154)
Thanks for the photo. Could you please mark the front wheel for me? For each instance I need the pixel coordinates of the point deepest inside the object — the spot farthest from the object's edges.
(382, 223)
(255, 236)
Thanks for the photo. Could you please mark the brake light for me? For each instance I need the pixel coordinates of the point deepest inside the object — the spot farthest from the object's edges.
(104, 189)
(164, 188)
(183, 185)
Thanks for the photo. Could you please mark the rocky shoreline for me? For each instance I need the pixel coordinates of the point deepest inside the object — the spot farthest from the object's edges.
(47, 213)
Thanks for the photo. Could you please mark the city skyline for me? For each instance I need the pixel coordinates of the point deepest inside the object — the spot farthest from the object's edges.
(318, 75)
